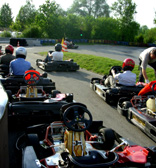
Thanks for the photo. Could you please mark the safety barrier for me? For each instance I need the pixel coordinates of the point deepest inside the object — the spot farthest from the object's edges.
(31, 41)
(15, 41)
(47, 41)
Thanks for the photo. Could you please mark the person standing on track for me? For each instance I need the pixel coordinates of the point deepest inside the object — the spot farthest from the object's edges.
(147, 57)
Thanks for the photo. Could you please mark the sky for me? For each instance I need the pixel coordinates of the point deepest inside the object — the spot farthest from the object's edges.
(145, 8)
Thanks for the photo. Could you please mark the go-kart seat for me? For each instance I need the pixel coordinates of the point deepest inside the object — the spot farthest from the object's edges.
(129, 88)
(94, 159)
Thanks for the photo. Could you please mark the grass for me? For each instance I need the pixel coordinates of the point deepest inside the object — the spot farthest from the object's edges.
(99, 65)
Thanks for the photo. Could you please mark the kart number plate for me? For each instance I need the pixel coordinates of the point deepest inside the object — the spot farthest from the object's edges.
(138, 120)
(98, 90)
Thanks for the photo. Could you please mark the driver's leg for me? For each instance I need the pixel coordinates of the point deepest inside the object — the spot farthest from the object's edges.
(153, 65)
(110, 82)
(141, 77)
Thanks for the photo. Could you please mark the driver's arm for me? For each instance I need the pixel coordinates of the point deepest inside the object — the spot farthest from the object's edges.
(49, 54)
(113, 73)
(145, 75)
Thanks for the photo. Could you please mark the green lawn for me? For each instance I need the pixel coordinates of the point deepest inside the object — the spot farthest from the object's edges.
(99, 65)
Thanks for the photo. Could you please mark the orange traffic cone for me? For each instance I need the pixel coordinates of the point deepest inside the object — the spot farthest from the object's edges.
(18, 44)
(64, 47)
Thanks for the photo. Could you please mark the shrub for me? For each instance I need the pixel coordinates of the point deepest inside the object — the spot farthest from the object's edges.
(32, 32)
(5, 34)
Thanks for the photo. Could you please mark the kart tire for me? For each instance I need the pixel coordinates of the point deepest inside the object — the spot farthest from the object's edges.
(95, 81)
(33, 140)
(108, 137)
(54, 93)
(9, 93)
(125, 107)
(38, 60)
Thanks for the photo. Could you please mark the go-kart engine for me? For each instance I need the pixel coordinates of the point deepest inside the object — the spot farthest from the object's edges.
(151, 106)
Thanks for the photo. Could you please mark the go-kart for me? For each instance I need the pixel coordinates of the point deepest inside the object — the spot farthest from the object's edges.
(78, 141)
(141, 109)
(72, 46)
(1, 53)
(4, 70)
(112, 95)
(67, 65)
(14, 83)
(31, 104)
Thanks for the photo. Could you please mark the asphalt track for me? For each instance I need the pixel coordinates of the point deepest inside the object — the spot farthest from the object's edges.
(78, 83)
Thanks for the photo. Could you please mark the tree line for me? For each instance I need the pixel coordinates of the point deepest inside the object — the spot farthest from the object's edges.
(85, 19)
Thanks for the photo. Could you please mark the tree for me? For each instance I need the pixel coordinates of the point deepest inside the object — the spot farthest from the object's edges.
(47, 18)
(93, 8)
(25, 17)
(105, 28)
(32, 31)
(124, 11)
(73, 26)
(155, 19)
(143, 29)
(5, 16)
(150, 36)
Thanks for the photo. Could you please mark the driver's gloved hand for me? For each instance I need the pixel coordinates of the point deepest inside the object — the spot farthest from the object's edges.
(102, 81)
(112, 71)
(147, 81)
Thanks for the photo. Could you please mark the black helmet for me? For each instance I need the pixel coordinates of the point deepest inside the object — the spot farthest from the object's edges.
(58, 47)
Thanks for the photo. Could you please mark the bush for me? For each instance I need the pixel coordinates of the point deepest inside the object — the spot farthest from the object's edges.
(32, 32)
(139, 38)
(5, 34)
(150, 36)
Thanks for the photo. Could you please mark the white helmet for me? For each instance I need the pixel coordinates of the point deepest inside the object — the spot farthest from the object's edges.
(21, 51)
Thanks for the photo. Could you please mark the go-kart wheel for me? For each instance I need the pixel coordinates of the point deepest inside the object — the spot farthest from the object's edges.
(77, 118)
(31, 78)
(54, 93)
(153, 88)
(9, 93)
(33, 139)
(38, 60)
(126, 105)
(108, 138)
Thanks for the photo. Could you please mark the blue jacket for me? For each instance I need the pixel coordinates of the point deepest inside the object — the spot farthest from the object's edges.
(19, 66)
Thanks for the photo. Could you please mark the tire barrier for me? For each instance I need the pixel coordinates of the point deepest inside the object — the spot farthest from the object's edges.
(14, 42)
(47, 41)
(24, 42)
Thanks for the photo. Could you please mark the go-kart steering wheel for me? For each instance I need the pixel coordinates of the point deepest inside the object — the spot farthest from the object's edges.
(31, 78)
(116, 68)
(153, 86)
(75, 116)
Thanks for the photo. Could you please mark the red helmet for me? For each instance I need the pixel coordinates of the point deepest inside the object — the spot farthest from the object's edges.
(9, 48)
(128, 64)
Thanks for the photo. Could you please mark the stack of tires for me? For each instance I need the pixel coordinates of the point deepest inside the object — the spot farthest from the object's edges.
(14, 42)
